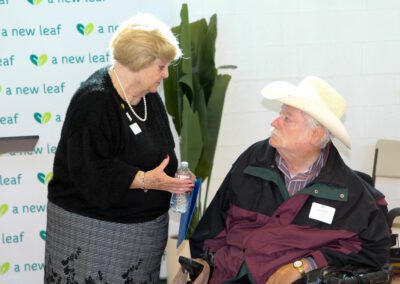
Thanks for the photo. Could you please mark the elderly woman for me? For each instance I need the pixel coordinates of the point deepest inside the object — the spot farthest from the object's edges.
(108, 201)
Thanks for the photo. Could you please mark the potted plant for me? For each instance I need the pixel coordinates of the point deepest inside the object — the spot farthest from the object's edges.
(194, 97)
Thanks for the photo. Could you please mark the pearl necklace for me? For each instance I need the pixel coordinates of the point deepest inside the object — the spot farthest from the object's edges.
(126, 99)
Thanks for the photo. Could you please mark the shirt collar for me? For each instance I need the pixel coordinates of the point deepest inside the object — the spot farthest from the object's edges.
(308, 175)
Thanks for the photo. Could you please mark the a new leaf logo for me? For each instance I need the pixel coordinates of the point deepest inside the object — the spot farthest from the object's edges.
(85, 30)
(35, 2)
(45, 178)
(3, 209)
(4, 268)
(38, 60)
(42, 118)
(42, 235)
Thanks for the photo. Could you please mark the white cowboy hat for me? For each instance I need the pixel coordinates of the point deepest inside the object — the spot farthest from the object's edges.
(315, 97)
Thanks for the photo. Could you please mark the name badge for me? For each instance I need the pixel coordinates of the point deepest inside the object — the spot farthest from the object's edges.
(135, 128)
(322, 213)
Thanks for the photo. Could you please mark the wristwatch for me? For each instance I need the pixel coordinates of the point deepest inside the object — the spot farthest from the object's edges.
(299, 266)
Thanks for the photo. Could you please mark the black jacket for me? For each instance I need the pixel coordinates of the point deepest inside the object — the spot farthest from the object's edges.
(98, 155)
(253, 219)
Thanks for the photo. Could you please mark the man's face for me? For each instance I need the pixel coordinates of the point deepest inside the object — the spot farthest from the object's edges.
(292, 132)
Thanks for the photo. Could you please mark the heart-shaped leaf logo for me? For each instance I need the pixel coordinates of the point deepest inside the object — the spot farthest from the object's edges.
(85, 30)
(3, 209)
(41, 177)
(42, 118)
(42, 235)
(35, 2)
(4, 268)
(38, 60)
(45, 178)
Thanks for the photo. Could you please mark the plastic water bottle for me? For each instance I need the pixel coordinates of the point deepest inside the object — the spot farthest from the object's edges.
(180, 201)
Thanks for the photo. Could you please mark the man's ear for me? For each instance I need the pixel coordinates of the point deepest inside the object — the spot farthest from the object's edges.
(317, 134)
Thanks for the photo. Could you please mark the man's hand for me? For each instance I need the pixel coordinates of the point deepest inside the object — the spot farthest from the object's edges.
(286, 274)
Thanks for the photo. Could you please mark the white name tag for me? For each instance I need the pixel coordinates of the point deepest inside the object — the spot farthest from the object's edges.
(322, 213)
(135, 128)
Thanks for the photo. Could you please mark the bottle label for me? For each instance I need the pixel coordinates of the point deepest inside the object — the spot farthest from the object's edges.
(184, 176)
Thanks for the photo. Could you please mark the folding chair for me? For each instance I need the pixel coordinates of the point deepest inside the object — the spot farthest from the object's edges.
(386, 159)
(387, 164)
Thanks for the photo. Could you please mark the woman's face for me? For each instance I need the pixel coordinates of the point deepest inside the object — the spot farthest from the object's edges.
(151, 76)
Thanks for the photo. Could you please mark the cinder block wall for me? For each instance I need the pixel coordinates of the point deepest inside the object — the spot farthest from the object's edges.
(354, 45)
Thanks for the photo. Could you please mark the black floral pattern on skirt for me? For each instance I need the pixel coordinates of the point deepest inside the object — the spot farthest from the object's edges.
(52, 276)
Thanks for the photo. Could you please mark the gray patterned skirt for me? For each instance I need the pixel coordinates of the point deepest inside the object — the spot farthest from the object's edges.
(82, 250)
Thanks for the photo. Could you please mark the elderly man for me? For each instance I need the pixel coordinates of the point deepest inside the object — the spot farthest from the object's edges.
(290, 204)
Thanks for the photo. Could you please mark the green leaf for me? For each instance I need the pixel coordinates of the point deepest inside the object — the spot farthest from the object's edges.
(38, 117)
(198, 31)
(200, 107)
(186, 85)
(172, 97)
(184, 41)
(4, 268)
(49, 176)
(46, 117)
(215, 108)
(42, 235)
(214, 112)
(207, 70)
(34, 59)
(89, 29)
(191, 140)
(80, 28)
(199, 104)
(3, 209)
(42, 60)
(41, 177)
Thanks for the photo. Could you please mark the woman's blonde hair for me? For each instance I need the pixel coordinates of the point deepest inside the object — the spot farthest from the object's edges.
(141, 40)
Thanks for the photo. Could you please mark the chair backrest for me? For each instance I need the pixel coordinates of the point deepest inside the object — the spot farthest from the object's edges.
(387, 159)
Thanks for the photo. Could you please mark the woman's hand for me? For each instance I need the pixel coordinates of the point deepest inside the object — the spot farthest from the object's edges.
(158, 179)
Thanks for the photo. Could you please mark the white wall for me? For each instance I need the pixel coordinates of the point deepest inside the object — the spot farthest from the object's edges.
(354, 45)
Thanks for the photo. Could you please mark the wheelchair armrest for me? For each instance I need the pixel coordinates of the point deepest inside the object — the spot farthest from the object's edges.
(347, 274)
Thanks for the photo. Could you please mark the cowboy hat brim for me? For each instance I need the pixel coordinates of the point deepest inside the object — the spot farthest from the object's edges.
(285, 93)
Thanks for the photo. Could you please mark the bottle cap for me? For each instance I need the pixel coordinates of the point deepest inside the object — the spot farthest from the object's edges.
(185, 164)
